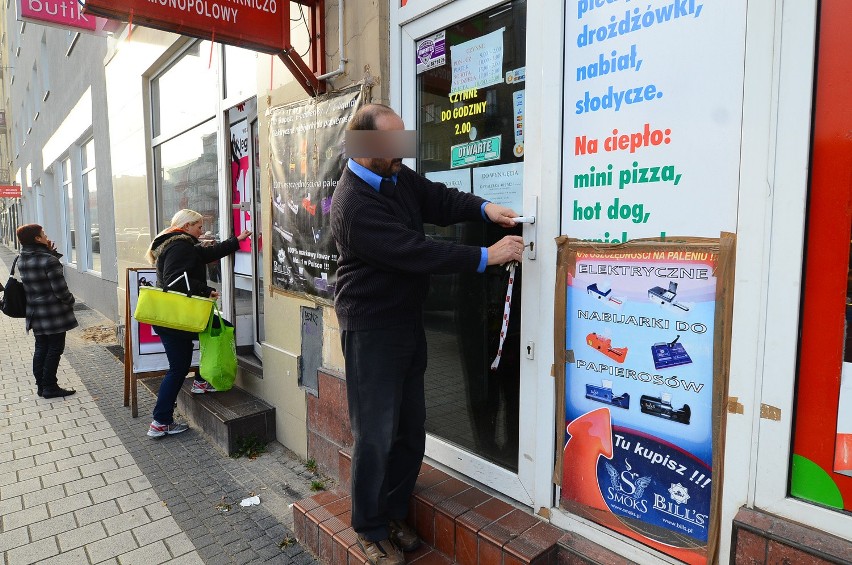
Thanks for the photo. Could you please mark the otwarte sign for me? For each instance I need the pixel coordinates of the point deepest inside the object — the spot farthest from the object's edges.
(642, 349)
(253, 24)
(61, 13)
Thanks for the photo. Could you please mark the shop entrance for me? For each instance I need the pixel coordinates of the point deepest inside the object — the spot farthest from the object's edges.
(463, 91)
(244, 176)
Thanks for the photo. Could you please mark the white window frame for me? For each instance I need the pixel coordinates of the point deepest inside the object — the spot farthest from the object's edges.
(87, 219)
(66, 183)
(778, 338)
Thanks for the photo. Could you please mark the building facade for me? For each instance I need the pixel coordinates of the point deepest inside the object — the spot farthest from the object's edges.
(605, 121)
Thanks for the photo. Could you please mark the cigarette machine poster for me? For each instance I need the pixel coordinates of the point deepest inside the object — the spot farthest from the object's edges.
(640, 355)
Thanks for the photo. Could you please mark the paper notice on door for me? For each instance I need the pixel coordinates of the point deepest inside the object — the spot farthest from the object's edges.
(459, 179)
(501, 184)
(478, 63)
(843, 447)
(431, 52)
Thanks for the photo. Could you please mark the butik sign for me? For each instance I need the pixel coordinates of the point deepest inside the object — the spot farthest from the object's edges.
(253, 24)
(60, 13)
(10, 191)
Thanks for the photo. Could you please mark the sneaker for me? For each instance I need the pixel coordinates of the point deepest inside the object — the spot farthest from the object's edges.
(403, 535)
(381, 552)
(156, 429)
(200, 387)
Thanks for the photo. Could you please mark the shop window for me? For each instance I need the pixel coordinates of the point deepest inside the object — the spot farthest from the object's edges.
(187, 177)
(184, 101)
(821, 466)
(467, 134)
(185, 93)
(70, 217)
(240, 72)
(90, 192)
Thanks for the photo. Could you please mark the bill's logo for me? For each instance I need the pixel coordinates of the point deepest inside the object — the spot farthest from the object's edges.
(627, 487)
(676, 508)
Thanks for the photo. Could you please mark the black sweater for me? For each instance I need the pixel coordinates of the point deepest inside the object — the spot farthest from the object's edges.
(384, 256)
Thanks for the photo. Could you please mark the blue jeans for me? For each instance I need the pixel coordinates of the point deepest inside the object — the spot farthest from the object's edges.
(178, 346)
(48, 350)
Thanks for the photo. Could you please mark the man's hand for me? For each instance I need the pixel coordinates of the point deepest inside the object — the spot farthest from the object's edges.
(500, 215)
(510, 248)
(244, 235)
(214, 294)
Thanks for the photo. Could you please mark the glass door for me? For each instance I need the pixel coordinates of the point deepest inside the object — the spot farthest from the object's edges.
(463, 74)
(242, 123)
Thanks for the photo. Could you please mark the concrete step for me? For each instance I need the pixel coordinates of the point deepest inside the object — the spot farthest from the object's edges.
(227, 418)
(457, 522)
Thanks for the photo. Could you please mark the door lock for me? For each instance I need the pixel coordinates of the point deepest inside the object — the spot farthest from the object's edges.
(530, 350)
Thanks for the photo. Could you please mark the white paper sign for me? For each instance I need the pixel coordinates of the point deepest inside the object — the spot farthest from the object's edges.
(478, 63)
(652, 124)
(459, 179)
(501, 184)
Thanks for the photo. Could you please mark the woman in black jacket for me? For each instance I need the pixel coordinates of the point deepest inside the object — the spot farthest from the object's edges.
(50, 306)
(175, 251)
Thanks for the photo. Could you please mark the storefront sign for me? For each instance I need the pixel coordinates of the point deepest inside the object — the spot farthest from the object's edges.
(306, 140)
(253, 24)
(474, 152)
(60, 13)
(650, 121)
(10, 191)
(642, 337)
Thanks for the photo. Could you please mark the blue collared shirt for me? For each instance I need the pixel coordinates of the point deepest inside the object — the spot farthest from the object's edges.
(375, 181)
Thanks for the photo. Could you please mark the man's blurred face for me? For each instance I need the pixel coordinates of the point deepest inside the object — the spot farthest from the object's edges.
(384, 166)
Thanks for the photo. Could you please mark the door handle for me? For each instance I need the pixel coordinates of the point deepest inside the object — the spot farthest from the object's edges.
(530, 212)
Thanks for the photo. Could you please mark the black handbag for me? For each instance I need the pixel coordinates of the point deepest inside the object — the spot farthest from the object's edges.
(14, 301)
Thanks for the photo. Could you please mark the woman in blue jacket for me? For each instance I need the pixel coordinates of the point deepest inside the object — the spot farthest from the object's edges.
(175, 251)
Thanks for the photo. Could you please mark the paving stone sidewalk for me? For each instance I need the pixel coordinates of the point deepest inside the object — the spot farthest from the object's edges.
(81, 483)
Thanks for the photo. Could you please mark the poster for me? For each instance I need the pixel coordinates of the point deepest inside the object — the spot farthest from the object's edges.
(652, 123)
(306, 140)
(241, 193)
(147, 351)
(641, 374)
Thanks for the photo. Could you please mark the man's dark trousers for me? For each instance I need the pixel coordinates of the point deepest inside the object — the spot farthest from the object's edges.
(387, 412)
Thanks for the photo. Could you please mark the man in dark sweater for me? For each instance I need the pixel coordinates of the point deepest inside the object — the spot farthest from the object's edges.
(385, 259)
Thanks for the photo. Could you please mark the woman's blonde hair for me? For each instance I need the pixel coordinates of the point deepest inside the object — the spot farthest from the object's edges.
(180, 220)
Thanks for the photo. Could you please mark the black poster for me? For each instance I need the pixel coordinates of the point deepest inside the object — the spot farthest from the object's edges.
(306, 140)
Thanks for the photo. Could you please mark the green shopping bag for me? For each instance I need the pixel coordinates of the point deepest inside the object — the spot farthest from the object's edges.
(218, 364)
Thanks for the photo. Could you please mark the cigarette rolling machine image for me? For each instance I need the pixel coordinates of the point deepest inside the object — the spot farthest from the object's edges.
(661, 407)
(604, 394)
(604, 294)
(604, 345)
(663, 297)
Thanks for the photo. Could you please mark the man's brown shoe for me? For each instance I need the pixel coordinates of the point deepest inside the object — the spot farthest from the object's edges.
(381, 552)
(403, 535)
